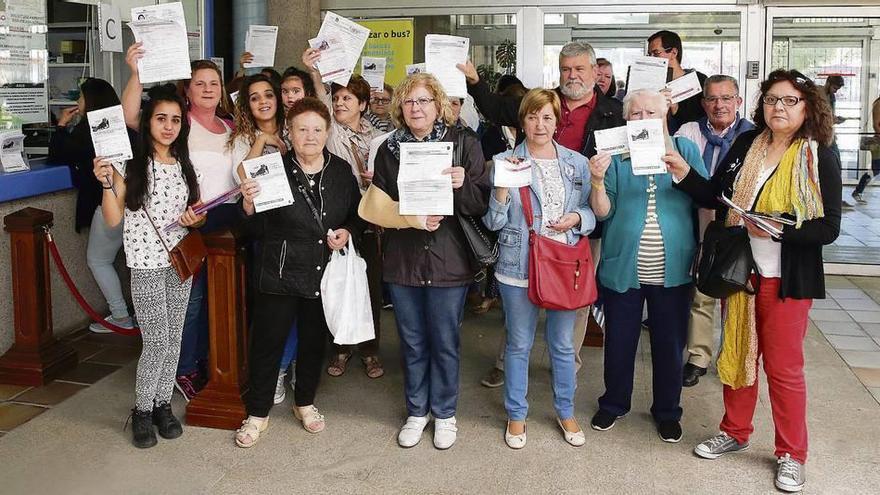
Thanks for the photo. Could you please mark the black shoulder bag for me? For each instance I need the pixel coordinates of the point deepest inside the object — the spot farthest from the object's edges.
(482, 241)
(726, 263)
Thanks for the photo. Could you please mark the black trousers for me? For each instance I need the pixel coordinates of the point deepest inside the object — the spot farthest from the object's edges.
(273, 316)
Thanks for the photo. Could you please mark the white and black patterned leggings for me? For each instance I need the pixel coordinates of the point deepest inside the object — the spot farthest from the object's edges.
(160, 306)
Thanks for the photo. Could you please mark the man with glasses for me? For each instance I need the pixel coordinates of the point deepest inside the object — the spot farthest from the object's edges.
(380, 102)
(713, 134)
(666, 44)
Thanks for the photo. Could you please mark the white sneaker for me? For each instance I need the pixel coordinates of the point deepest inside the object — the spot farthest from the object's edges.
(127, 323)
(444, 433)
(280, 392)
(411, 432)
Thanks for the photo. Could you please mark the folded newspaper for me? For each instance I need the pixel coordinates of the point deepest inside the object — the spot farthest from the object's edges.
(760, 220)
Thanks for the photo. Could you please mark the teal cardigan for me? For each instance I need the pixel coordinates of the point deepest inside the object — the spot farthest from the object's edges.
(618, 268)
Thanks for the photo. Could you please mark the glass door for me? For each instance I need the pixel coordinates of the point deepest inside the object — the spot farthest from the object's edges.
(833, 45)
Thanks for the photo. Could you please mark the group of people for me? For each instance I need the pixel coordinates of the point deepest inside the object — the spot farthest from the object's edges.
(341, 148)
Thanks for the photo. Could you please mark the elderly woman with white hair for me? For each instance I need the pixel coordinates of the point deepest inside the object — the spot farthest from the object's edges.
(647, 250)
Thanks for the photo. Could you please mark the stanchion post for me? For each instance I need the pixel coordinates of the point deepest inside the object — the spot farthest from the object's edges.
(219, 404)
(36, 357)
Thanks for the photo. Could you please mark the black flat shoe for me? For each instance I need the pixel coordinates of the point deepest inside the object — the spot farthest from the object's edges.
(691, 375)
(143, 435)
(169, 427)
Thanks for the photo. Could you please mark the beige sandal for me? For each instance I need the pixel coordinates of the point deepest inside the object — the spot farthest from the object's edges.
(249, 433)
(312, 420)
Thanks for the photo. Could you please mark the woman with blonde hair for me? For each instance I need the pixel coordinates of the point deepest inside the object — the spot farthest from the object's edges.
(432, 266)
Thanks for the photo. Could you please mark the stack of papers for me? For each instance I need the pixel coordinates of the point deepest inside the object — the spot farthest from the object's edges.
(442, 53)
(345, 40)
(423, 188)
(162, 30)
(260, 42)
(758, 219)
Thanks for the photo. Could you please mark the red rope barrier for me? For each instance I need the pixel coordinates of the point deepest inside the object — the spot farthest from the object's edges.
(53, 250)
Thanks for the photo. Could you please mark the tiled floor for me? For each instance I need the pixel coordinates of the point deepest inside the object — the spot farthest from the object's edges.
(859, 230)
(99, 355)
(848, 319)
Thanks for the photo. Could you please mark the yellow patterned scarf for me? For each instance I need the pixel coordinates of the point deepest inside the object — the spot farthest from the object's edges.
(793, 189)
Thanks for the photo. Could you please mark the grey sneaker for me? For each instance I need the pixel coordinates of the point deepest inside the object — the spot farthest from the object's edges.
(717, 446)
(790, 475)
(127, 323)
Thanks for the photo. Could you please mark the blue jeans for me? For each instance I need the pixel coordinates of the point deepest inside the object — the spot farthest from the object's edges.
(289, 349)
(428, 323)
(522, 321)
(668, 312)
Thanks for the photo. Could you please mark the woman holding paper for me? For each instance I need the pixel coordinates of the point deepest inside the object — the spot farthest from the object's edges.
(159, 187)
(789, 146)
(74, 146)
(432, 265)
(648, 245)
(295, 246)
(208, 109)
(351, 135)
(560, 190)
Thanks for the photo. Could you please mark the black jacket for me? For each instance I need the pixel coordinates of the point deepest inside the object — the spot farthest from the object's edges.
(75, 150)
(418, 258)
(294, 248)
(802, 272)
(504, 110)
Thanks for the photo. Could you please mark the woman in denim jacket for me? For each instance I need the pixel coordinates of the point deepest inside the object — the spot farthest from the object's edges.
(560, 192)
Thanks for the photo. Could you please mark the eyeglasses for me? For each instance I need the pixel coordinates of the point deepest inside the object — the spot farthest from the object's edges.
(722, 98)
(657, 53)
(788, 101)
(421, 102)
(381, 101)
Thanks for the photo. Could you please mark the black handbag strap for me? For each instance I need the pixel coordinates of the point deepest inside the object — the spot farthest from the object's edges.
(307, 194)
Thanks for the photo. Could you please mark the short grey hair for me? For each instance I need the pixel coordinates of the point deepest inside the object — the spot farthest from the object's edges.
(576, 49)
(647, 93)
(719, 78)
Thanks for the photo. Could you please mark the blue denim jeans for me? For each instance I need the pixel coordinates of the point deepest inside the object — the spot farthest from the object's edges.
(522, 321)
(289, 349)
(428, 321)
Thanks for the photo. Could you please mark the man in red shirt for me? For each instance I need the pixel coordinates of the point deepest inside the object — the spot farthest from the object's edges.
(583, 109)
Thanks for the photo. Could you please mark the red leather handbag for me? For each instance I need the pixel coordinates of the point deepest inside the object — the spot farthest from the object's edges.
(561, 276)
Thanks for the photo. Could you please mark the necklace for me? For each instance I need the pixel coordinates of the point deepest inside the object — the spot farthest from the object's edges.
(311, 176)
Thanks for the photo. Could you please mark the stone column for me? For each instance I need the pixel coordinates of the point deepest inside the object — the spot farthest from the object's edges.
(297, 21)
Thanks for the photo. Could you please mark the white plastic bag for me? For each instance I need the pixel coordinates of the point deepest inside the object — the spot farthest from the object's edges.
(346, 297)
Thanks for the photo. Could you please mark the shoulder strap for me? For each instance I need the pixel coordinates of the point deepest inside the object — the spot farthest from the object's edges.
(526, 199)
(306, 192)
(161, 239)
(459, 149)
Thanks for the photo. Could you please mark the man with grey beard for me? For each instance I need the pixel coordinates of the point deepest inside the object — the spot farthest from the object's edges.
(583, 112)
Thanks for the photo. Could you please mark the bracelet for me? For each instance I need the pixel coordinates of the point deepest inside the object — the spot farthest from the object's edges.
(105, 187)
(597, 185)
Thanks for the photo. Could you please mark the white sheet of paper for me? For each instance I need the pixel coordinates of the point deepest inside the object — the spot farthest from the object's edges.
(110, 136)
(612, 141)
(260, 42)
(12, 153)
(351, 34)
(508, 174)
(415, 69)
(218, 61)
(647, 145)
(268, 171)
(647, 73)
(421, 184)
(684, 87)
(442, 53)
(333, 65)
(162, 30)
(373, 71)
